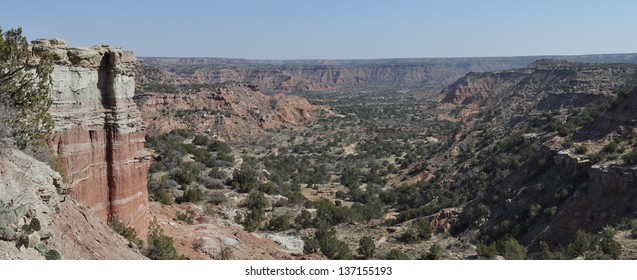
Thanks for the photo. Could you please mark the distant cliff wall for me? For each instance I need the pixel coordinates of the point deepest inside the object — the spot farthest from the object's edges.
(318, 75)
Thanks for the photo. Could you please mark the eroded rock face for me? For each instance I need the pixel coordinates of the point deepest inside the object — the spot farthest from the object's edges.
(236, 112)
(29, 190)
(99, 134)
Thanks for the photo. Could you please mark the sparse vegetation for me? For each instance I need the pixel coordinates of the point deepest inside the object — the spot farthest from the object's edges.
(396, 164)
(129, 233)
(160, 246)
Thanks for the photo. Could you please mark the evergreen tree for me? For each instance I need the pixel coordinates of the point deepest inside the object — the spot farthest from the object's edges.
(24, 91)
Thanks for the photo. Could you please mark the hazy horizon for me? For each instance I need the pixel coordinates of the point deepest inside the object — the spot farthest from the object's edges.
(388, 58)
(334, 30)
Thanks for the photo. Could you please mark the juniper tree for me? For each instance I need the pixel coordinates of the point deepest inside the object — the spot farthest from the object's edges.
(24, 91)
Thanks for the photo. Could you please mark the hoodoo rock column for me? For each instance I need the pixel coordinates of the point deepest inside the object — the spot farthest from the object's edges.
(99, 135)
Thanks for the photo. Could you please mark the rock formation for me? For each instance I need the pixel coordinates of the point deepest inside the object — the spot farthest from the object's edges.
(232, 111)
(30, 190)
(99, 135)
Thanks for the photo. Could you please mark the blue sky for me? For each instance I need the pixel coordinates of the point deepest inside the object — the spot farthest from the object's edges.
(334, 29)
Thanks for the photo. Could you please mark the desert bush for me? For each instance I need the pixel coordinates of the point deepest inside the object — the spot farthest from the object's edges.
(630, 157)
(581, 149)
(160, 246)
(279, 223)
(188, 216)
(163, 197)
(303, 219)
(366, 247)
(396, 254)
(511, 249)
(52, 255)
(244, 179)
(419, 230)
(311, 246)
(191, 194)
(217, 198)
(610, 148)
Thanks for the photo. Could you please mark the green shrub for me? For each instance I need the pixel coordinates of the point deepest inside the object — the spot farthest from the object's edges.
(243, 179)
(200, 140)
(190, 195)
(34, 225)
(583, 242)
(160, 246)
(163, 197)
(511, 249)
(597, 157)
(534, 210)
(311, 246)
(396, 254)
(547, 254)
(188, 216)
(184, 175)
(252, 220)
(217, 198)
(279, 223)
(52, 255)
(58, 165)
(630, 157)
(256, 201)
(550, 211)
(581, 149)
(435, 253)
(419, 230)
(610, 148)
(335, 249)
(366, 247)
(303, 219)
(487, 251)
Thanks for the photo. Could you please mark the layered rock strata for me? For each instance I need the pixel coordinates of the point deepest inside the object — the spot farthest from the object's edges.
(319, 75)
(236, 112)
(99, 135)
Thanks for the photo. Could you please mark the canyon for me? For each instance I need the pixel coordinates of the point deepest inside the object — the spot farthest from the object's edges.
(321, 75)
(478, 150)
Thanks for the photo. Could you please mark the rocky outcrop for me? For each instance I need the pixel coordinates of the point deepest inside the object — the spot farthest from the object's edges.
(29, 191)
(577, 194)
(235, 112)
(614, 178)
(568, 160)
(99, 135)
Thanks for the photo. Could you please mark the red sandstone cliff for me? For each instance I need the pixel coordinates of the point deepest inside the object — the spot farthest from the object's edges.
(99, 134)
